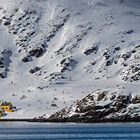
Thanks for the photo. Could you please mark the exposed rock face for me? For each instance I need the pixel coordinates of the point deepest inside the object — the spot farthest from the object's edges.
(136, 99)
(26, 59)
(34, 70)
(92, 50)
(5, 62)
(37, 52)
(23, 26)
(55, 27)
(56, 78)
(126, 56)
(131, 73)
(67, 64)
(101, 106)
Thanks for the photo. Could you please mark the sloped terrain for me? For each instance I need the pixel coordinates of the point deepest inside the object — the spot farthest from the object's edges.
(53, 52)
(101, 106)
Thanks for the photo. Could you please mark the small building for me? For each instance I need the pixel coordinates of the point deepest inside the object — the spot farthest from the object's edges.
(6, 107)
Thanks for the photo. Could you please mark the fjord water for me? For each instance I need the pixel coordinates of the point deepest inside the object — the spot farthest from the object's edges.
(70, 131)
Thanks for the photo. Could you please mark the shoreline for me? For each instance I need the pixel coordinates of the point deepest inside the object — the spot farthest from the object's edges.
(15, 120)
(64, 121)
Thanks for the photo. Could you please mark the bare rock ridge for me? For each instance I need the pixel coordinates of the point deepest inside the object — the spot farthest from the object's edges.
(5, 62)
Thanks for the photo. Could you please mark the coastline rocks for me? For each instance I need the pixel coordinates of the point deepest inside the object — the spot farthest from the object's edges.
(101, 106)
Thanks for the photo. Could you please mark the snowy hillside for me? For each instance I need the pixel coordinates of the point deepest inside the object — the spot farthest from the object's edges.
(54, 52)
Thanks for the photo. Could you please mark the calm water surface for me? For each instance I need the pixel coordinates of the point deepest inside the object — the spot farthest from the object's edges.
(53, 131)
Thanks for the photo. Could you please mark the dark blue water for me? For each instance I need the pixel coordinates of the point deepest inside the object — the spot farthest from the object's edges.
(49, 131)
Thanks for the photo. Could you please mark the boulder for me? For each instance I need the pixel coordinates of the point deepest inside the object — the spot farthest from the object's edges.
(100, 96)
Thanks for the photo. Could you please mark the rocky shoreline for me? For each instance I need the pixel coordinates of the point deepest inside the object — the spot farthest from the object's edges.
(122, 120)
(101, 106)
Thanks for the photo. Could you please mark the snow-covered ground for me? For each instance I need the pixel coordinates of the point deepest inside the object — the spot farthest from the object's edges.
(73, 47)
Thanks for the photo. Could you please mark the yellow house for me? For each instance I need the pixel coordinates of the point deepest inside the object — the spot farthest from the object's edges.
(6, 107)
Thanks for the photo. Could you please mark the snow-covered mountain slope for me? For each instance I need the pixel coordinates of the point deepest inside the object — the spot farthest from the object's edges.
(53, 52)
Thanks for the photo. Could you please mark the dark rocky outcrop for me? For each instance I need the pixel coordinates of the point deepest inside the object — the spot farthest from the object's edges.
(37, 51)
(126, 55)
(131, 73)
(136, 99)
(100, 106)
(24, 30)
(57, 26)
(34, 70)
(26, 59)
(91, 50)
(67, 64)
(5, 61)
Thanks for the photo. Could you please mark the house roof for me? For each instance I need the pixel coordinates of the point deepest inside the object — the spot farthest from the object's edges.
(6, 104)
